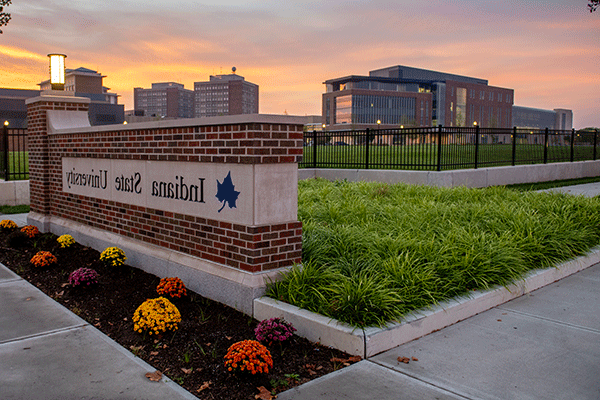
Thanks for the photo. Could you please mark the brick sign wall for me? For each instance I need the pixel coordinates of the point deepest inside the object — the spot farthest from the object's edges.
(256, 153)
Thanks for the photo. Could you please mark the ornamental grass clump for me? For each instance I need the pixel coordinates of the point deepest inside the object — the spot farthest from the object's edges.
(7, 225)
(156, 316)
(83, 277)
(172, 287)
(65, 241)
(373, 253)
(30, 230)
(113, 256)
(248, 356)
(274, 330)
(43, 259)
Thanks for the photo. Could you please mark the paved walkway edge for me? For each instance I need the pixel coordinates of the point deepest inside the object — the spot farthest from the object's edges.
(82, 324)
(371, 341)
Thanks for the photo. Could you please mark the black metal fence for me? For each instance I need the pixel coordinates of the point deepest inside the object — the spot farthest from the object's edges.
(445, 148)
(14, 157)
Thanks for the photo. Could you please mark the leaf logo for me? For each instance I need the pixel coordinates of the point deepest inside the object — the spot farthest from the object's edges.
(226, 192)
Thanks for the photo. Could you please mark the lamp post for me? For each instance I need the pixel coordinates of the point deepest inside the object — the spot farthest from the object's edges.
(378, 141)
(57, 71)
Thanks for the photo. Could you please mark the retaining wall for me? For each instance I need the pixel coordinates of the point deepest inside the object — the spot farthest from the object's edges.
(474, 178)
(14, 193)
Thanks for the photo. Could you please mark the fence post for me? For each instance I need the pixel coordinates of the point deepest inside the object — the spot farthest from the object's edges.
(514, 145)
(476, 145)
(595, 142)
(572, 144)
(314, 148)
(546, 146)
(367, 150)
(5, 151)
(439, 148)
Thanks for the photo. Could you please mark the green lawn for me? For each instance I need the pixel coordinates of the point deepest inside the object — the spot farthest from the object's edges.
(21, 209)
(374, 252)
(424, 156)
(18, 162)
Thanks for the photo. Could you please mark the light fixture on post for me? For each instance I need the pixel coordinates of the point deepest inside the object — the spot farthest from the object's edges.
(57, 71)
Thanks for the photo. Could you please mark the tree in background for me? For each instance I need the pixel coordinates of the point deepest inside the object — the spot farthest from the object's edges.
(593, 5)
(4, 17)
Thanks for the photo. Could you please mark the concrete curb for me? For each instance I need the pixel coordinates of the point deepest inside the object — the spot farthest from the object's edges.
(372, 340)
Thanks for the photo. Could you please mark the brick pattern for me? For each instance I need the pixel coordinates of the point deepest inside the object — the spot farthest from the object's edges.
(249, 248)
(234, 144)
(39, 167)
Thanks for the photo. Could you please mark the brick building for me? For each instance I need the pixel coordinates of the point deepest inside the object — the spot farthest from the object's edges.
(166, 100)
(535, 118)
(405, 96)
(228, 94)
(82, 82)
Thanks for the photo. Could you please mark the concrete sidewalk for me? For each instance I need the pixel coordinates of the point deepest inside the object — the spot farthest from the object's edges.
(545, 345)
(587, 189)
(19, 219)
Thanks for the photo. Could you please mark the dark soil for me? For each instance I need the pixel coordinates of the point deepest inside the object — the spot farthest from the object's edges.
(193, 355)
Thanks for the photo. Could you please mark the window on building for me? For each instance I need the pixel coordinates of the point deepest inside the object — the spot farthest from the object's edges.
(343, 110)
(461, 107)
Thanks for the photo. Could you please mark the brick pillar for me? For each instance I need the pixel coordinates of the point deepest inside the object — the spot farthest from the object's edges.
(37, 132)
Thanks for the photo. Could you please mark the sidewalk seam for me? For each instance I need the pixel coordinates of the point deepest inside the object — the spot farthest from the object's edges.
(11, 280)
(419, 380)
(46, 333)
(583, 328)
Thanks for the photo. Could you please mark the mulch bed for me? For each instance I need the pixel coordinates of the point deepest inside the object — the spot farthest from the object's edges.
(193, 355)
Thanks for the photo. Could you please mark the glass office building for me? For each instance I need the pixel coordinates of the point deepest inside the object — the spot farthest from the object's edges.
(405, 96)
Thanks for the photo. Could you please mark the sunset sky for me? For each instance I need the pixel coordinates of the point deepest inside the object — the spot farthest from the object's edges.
(548, 51)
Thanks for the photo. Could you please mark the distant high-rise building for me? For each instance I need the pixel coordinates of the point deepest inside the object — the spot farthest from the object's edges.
(227, 94)
(166, 99)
